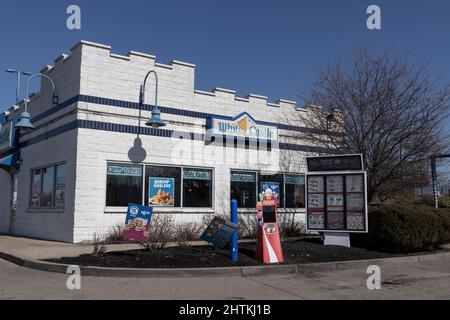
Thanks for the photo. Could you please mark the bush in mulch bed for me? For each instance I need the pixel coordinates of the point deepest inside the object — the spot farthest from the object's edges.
(405, 229)
(295, 252)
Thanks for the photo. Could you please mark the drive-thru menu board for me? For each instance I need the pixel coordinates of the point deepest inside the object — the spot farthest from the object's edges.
(337, 202)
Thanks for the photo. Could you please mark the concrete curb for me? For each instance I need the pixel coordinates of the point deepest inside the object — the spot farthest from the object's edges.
(303, 269)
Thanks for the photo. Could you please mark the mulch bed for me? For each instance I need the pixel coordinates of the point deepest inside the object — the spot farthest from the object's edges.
(295, 252)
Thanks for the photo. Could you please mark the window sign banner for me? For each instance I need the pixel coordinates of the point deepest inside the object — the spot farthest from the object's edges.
(6, 136)
(60, 189)
(138, 221)
(162, 192)
(297, 180)
(124, 170)
(243, 177)
(194, 174)
(219, 232)
(243, 126)
(269, 191)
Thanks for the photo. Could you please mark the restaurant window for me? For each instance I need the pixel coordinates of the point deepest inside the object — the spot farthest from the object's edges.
(243, 189)
(295, 191)
(276, 178)
(124, 184)
(197, 188)
(48, 187)
(167, 174)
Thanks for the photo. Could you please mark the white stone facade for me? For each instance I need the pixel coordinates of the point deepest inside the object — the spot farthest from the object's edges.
(92, 70)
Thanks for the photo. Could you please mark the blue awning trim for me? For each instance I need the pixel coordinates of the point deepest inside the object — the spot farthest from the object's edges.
(11, 163)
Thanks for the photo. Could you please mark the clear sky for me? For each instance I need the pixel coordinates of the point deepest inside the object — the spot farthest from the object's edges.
(269, 47)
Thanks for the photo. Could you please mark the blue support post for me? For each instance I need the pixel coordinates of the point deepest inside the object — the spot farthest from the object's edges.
(234, 239)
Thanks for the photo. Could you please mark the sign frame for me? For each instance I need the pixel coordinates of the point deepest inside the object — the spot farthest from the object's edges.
(344, 174)
(359, 156)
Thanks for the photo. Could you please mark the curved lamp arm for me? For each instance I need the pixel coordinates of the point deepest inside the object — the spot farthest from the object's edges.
(28, 86)
(142, 96)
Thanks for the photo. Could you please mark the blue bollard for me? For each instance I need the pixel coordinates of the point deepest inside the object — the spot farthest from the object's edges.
(234, 239)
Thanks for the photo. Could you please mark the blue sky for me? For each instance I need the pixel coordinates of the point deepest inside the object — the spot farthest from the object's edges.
(272, 48)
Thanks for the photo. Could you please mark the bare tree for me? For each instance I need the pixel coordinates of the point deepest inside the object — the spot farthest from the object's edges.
(390, 111)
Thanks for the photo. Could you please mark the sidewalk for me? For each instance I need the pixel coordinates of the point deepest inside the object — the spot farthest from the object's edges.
(31, 249)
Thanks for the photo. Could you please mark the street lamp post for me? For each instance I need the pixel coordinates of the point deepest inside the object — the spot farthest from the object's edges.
(19, 73)
(25, 122)
(434, 176)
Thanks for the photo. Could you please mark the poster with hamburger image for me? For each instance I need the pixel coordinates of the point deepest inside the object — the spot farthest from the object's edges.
(138, 222)
(162, 192)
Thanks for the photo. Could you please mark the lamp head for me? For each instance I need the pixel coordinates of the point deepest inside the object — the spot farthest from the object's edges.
(155, 121)
(25, 122)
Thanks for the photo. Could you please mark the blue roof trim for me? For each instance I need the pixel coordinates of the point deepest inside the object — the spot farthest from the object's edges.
(166, 110)
(115, 127)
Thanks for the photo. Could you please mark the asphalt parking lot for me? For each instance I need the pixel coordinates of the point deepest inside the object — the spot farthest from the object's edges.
(420, 280)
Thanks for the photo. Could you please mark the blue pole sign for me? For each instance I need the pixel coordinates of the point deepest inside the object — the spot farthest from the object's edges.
(234, 239)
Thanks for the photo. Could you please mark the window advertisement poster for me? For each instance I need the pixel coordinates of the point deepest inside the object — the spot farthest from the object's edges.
(162, 192)
(36, 189)
(335, 220)
(335, 201)
(219, 232)
(316, 220)
(316, 201)
(335, 184)
(355, 183)
(137, 224)
(60, 189)
(315, 184)
(269, 191)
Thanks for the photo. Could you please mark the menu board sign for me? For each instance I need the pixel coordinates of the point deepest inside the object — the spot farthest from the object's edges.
(337, 202)
(335, 163)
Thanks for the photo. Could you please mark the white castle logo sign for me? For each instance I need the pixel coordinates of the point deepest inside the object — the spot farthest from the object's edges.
(242, 126)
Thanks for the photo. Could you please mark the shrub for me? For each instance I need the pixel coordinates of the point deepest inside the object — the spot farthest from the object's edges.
(99, 246)
(161, 232)
(405, 228)
(187, 232)
(115, 236)
(426, 200)
(290, 227)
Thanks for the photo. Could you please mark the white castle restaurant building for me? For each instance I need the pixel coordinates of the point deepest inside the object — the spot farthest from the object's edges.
(91, 155)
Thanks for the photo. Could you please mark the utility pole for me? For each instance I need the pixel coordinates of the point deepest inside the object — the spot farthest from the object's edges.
(434, 176)
(14, 182)
(19, 73)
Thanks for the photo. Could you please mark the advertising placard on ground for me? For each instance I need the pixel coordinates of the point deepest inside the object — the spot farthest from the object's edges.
(138, 221)
(219, 232)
